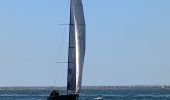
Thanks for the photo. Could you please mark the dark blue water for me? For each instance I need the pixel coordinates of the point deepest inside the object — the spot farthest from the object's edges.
(109, 94)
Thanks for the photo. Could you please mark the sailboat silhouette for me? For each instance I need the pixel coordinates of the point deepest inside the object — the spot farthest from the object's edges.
(76, 53)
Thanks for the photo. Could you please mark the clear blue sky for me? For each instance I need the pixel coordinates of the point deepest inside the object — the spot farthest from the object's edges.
(128, 42)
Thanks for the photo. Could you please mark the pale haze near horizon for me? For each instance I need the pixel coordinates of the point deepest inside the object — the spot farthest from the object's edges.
(128, 42)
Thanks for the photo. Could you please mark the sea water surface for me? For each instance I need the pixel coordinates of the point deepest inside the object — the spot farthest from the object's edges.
(90, 94)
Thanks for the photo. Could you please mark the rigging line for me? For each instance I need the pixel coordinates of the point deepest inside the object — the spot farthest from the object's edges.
(65, 24)
(57, 73)
(55, 78)
(62, 62)
(61, 53)
(61, 46)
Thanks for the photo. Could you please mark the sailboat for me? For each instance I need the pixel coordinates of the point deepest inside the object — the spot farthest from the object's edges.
(76, 53)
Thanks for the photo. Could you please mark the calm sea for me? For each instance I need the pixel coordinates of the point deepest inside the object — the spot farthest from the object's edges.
(105, 94)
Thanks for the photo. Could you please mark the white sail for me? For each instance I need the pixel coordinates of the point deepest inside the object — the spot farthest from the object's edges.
(76, 46)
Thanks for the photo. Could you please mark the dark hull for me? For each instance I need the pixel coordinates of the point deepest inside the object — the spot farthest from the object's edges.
(64, 97)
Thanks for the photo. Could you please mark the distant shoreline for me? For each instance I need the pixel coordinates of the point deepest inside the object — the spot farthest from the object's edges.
(84, 87)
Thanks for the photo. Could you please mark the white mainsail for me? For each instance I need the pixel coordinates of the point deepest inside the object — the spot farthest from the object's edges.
(76, 51)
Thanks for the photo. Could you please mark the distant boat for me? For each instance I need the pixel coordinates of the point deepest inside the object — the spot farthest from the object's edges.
(76, 53)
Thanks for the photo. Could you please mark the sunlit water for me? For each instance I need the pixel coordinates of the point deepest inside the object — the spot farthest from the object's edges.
(113, 94)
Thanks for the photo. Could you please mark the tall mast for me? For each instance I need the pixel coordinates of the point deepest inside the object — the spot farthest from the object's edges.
(76, 50)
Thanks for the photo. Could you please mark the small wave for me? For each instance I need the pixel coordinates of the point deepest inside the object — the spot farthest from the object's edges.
(153, 96)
